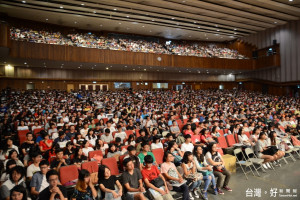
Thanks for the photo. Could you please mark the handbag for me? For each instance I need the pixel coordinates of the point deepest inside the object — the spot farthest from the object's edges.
(157, 182)
(271, 150)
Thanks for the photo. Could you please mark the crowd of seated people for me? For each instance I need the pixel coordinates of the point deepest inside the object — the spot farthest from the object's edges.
(62, 129)
(89, 40)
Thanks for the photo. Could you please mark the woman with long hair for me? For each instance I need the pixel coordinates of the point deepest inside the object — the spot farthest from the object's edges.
(108, 183)
(189, 168)
(206, 170)
(84, 188)
(18, 193)
(274, 141)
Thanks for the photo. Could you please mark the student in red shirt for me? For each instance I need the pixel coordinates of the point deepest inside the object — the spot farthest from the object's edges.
(151, 173)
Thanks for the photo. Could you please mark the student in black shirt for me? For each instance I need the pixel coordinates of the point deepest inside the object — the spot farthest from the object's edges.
(107, 184)
(53, 191)
(59, 161)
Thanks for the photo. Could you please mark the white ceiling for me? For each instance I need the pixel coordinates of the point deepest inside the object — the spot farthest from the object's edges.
(209, 20)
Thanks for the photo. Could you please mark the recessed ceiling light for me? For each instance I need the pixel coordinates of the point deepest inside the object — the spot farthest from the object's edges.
(61, 66)
(157, 70)
(25, 63)
(275, 22)
(144, 69)
(143, 26)
(78, 67)
(125, 66)
(190, 36)
(46, 19)
(216, 25)
(198, 26)
(120, 23)
(179, 71)
(94, 12)
(127, 16)
(115, 9)
(23, 1)
(107, 68)
(133, 69)
(100, 25)
(218, 30)
(207, 38)
(82, 4)
(235, 29)
(291, 0)
(92, 67)
(95, 65)
(110, 66)
(150, 31)
(61, 7)
(195, 22)
(75, 22)
(172, 18)
(234, 33)
(153, 20)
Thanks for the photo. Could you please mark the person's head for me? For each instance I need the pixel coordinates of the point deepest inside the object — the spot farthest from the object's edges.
(188, 138)
(130, 138)
(52, 178)
(212, 147)
(131, 150)
(83, 180)
(9, 165)
(36, 156)
(187, 157)
(172, 145)
(16, 173)
(44, 166)
(118, 140)
(104, 172)
(198, 150)
(78, 136)
(29, 136)
(168, 157)
(128, 164)
(145, 146)
(77, 152)
(69, 145)
(241, 131)
(9, 142)
(170, 137)
(262, 136)
(18, 193)
(148, 161)
(107, 131)
(85, 143)
(156, 139)
(111, 148)
(61, 134)
(142, 132)
(59, 153)
(13, 154)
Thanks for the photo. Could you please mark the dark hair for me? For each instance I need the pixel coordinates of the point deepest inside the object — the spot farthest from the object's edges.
(118, 139)
(107, 130)
(34, 154)
(144, 143)
(130, 148)
(168, 135)
(44, 162)
(214, 128)
(110, 145)
(272, 138)
(166, 155)
(131, 136)
(148, 159)
(69, 143)
(21, 189)
(29, 133)
(187, 136)
(51, 173)
(199, 158)
(58, 150)
(209, 146)
(186, 155)
(83, 174)
(9, 163)
(101, 172)
(11, 152)
(261, 134)
(126, 161)
(19, 170)
(76, 151)
(61, 133)
(240, 131)
(93, 135)
(155, 138)
(170, 145)
(84, 142)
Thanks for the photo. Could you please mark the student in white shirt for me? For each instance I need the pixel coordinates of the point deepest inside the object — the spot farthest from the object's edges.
(187, 145)
(22, 126)
(91, 137)
(34, 167)
(86, 148)
(121, 134)
(156, 144)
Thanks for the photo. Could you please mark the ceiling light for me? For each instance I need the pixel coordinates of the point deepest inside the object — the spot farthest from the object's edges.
(61, 66)
(218, 30)
(82, 4)
(143, 26)
(275, 22)
(120, 23)
(291, 0)
(46, 19)
(153, 20)
(190, 36)
(23, 1)
(195, 22)
(133, 69)
(107, 68)
(179, 71)
(94, 82)
(172, 18)
(127, 16)
(125, 66)
(216, 25)
(235, 29)
(92, 67)
(157, 70)
(234, 33)
(150, 31)
(198, 26)
(110, 66)
(61, 7)
(144, 69)
(78, 67)
(75, 22)
(94, 12)
(115, 9)
(25, 63)
(100, 25)
(207, 38)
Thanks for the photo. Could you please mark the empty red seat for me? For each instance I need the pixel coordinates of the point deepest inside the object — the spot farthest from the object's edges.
(68, 175)
(158, 154)
(93, 153)
(195, 139)
(91, 166)
(230, 140)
